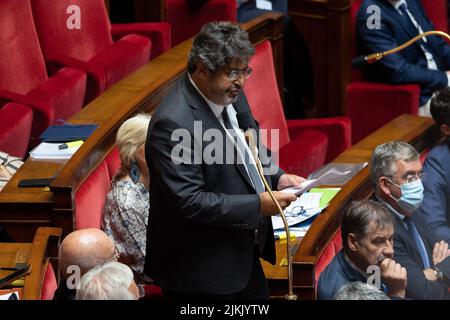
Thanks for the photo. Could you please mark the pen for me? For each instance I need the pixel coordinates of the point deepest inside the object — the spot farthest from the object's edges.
(70, 144)
(282, 236)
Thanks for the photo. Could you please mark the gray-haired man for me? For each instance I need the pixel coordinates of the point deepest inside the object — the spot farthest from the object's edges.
(396, 171)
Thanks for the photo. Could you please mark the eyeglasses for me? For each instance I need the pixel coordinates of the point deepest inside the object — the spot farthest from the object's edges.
(235, 74)
(411, 177)
(114, 257)
(295, 211)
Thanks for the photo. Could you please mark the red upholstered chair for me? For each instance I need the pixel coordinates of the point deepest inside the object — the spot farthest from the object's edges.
(49, 284)
(15, 127)
(23, 76)
(304, 145)
(91, 48)
(437, 12)
(187, 17)
(365, 98)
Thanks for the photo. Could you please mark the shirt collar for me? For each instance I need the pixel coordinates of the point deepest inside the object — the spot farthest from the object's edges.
(397, 4)
(361, 272)
(398, 214)
(216, 108)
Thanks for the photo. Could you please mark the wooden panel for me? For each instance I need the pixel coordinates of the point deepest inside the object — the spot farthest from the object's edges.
(418, 131)
(325, 26)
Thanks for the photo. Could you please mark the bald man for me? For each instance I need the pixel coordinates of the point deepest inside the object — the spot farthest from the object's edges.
(82, 250)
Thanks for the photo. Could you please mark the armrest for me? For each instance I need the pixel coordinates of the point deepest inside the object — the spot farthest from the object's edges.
(372, 105)
(96, 82)
(157, 32)
(337, 129)
(43, 113)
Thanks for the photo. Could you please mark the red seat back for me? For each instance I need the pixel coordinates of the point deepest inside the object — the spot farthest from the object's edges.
(55, 37)
(187, 17)
(22, 65)
(436, 11)
(263, 96)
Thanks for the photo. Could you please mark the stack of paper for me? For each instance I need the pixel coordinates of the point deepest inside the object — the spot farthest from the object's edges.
(47, 150)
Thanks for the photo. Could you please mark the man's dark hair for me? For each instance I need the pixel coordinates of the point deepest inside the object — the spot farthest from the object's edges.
(218, 44)
(360, 215)
(440, 107)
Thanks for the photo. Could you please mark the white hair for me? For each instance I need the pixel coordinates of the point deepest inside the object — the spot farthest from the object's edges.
(109, 281)
(130, 136)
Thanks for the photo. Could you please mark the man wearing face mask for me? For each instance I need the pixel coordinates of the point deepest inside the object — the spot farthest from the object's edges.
(396, 171)
(367, 231)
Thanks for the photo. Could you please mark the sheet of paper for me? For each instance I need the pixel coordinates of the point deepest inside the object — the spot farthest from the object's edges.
(294, 217)
(46, 150)
(264, 4)
(309, 200)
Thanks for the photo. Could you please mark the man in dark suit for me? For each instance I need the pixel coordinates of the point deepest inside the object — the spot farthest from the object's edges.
(209, 220)
(367, 231)
(426, 62)
(396, 171)
(435, 208)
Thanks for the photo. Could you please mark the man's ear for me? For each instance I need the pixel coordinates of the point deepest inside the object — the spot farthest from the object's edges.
(383, 183)
(351, 241)
(202, 70)
(445, 129)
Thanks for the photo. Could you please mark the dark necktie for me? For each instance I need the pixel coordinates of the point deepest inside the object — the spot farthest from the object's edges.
(418, 241)
(261, 232)
(407, 19)
(251, 168)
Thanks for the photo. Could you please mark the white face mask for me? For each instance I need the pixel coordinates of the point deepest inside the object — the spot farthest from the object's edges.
(412, 195)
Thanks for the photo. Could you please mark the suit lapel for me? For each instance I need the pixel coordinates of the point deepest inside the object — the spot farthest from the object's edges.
(203, 113)
(396, 16)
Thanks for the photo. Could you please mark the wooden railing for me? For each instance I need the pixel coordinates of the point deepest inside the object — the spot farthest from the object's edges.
(22, 210)
(418, 131)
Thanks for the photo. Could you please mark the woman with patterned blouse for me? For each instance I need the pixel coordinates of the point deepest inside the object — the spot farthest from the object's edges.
(127, 204)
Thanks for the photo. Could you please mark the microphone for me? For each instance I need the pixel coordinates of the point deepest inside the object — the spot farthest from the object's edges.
(363, 61)
(247, 123)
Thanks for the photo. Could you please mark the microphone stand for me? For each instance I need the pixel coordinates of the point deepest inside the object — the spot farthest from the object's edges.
(251, 143)
(374, 57)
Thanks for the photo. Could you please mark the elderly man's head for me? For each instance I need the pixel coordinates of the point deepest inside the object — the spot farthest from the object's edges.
(396, 171)
(218, 61)
(86, 248)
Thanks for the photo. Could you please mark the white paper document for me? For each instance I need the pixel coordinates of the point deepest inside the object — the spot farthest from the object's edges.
(309, 184)
(309, 200)
(294, 217)
(46, 150)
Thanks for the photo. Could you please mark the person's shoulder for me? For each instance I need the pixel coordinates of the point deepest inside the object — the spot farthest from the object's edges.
(439, 152)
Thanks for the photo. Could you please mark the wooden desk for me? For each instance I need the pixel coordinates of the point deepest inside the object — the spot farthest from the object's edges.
(37, 254)
(418, 131)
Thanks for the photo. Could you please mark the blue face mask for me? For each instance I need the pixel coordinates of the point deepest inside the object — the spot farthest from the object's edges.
(412, 195)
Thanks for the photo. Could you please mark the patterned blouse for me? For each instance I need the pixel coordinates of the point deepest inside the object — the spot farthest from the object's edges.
(125, 220)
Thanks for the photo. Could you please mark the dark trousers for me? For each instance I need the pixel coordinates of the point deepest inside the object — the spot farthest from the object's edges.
(256, 289)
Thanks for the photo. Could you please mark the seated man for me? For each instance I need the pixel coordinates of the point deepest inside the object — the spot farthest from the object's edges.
(360, 291)
(396, 171)
(435, 208)
(426, 62)
(83, 249)
(109, 281)
(367, 231)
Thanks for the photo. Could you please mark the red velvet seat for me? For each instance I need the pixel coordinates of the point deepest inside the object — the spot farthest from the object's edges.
(187, 17)
(388, 101)
(91, 48)
(23, 76)
(304, 145)
(365, 98)
(15, 127)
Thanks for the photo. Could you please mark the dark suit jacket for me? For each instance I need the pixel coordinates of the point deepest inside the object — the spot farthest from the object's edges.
(407, 254)
(336, 275)
(435, 208)
(409, 65)
(202, 221)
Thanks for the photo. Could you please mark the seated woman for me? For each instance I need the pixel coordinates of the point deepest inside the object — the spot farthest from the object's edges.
(126, 209)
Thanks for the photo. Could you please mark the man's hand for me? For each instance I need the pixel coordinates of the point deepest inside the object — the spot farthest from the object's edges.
(429, 274)
(394, 276)
(440, 252)
(268, 208)
(289, 180)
